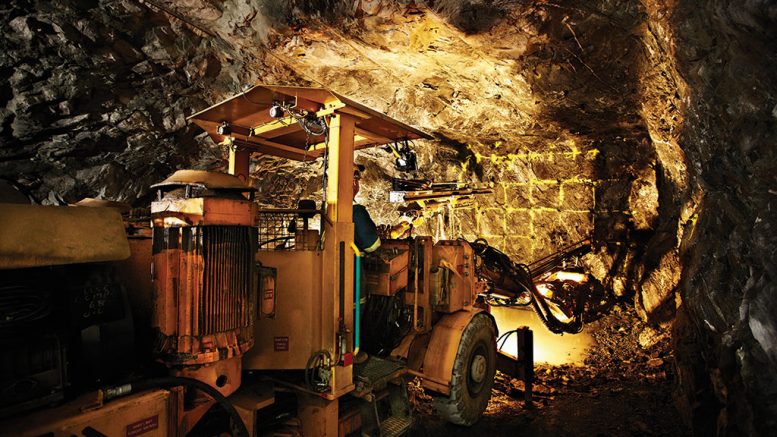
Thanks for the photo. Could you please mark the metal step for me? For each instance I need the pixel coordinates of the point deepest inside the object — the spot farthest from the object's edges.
(395, 426)
(376, 369)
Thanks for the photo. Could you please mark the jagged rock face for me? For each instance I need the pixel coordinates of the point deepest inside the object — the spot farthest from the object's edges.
(649, 125)
(96, 94)
(724, 60)
(88, 102)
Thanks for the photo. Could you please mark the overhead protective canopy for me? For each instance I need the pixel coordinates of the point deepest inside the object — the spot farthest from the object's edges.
(247, 119)
(206, 179)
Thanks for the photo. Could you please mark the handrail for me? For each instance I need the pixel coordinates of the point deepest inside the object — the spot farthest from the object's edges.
(357, 294)
(319, 212)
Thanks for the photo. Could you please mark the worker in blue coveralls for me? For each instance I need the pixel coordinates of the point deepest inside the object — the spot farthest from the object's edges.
(365, 231)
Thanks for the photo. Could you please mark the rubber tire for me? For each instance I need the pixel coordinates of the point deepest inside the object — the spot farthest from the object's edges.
(466, 402)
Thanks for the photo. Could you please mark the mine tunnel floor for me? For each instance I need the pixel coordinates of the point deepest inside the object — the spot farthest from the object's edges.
(624, 388)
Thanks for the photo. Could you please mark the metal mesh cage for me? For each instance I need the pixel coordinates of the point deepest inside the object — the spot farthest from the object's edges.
(288, 229)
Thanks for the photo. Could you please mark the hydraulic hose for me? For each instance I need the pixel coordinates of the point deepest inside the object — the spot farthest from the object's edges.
(540, 306)
(171, 381)
(522, 276)
(548, 319)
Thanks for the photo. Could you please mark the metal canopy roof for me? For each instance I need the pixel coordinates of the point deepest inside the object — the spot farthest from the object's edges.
(252, 126)
(206, 179)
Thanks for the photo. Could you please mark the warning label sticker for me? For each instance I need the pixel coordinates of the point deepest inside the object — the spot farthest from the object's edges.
(143, 426)
(281, 344)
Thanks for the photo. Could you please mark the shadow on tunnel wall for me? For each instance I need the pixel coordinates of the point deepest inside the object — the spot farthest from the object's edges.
(471, 17)
(587, 78)
(605, 79)
(727, 53)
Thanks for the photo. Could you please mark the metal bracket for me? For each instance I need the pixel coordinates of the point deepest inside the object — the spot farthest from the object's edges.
(522, 366)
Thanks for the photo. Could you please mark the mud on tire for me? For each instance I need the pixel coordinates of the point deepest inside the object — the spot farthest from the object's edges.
(473, 374)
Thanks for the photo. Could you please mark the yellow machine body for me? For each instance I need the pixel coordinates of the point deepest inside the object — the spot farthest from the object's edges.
(34, 235)
(313, 290)
(287, 340)
(452, 276)
(150, 414)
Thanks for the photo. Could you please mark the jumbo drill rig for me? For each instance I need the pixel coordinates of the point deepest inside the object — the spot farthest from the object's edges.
(117, 326)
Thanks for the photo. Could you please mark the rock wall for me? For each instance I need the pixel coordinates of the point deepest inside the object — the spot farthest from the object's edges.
(721, 61)
(545, 117)
(96, 95)
(542, 201)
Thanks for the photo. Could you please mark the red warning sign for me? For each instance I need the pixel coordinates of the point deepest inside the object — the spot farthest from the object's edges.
(281, 344)
(143, 426)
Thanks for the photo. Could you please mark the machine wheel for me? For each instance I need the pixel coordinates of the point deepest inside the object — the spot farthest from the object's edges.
(473, 374)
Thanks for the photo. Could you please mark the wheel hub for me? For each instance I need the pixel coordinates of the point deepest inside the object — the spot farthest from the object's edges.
(478, 368)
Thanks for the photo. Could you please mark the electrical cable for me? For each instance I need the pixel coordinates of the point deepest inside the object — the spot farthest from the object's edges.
(312, 125)
(23, 304)
(325, 165)
(308, 124)
(170, 381)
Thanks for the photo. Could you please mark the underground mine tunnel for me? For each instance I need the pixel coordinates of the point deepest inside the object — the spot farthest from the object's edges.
(563, 217)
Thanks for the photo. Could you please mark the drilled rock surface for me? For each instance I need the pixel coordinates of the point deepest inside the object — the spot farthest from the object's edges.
(649, 125)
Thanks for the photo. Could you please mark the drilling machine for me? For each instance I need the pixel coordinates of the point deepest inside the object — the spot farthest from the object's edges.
(261, 311)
